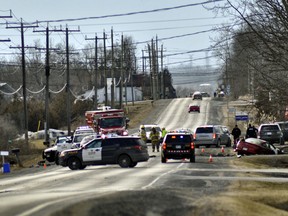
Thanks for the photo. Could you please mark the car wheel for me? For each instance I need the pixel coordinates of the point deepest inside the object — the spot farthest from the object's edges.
(163, 159)
(57, 159)
(124, 161)
(192, 159)
(133, 164)
(74, 163)
(82, 167)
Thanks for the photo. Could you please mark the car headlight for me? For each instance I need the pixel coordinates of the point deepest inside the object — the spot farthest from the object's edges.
(62, 154)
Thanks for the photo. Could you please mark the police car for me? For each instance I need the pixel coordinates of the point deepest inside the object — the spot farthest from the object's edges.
(61, 143)
(126, 151)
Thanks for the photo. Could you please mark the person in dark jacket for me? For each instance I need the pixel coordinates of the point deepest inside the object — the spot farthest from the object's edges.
(251, 132)
(236, 132)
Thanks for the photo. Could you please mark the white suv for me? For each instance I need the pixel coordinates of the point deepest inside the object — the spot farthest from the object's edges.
(148, 129)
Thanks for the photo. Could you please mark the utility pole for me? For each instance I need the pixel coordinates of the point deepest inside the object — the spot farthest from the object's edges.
(157, 70)
(105, 70)
(47, 74)
(68, 79)
(122, 74)
(163, 77)
(112, 72)
(23, 74)
(96, 70)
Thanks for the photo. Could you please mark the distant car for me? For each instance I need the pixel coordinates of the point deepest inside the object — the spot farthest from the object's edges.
(284, 127)
(51, 154)
(77, 138)
(148, 128)
(205, 94)
(252, 146)
(221, 94)
(178, 146)
(126, 151)
(197, 96)
(193, 108)
(271, 133)
(84, 129)
(208, 135)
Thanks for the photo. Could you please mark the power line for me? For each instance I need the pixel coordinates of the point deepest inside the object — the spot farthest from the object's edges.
(131, 13)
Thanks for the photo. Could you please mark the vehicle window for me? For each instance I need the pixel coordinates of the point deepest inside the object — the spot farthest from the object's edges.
(270, 128)
(112, 122)
(94, 144)
(178, 139)
(147, 129)
(204, 130)
(111, 142)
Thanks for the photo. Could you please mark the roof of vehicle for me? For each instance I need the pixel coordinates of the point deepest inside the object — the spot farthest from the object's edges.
(197, 92)
(255, 141)
(269, 124)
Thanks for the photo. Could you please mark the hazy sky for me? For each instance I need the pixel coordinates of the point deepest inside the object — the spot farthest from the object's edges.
(142, 27)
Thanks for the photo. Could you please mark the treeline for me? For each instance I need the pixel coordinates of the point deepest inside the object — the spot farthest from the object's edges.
(255, 55)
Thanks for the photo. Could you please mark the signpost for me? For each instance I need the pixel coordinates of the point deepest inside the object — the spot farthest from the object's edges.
(241, 116)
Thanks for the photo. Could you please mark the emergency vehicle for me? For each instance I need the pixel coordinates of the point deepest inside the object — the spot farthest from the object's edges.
(107, 121)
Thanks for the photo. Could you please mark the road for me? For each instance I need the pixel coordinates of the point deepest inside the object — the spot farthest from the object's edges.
(151, 188)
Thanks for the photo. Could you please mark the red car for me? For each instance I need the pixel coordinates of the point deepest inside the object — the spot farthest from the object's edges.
(193, 108)
(252, 146)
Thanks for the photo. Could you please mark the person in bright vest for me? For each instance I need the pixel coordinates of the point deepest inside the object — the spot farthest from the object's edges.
(163, 133)
(143, 134)
(155, 139)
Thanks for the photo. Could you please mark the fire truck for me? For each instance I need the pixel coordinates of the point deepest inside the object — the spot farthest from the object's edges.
(108, 121)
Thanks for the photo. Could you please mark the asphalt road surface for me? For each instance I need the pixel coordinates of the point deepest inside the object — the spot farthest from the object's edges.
(151, 188)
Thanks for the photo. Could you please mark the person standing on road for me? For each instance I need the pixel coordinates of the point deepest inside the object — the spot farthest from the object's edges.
(154, 136)
(236, 132)
(251, 132)
(143, 134)
(163, 133)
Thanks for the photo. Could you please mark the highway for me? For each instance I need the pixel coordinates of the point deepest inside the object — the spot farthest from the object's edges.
(111, 190)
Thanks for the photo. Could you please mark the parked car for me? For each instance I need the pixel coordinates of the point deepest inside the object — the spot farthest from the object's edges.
(252, 146)
(272, 133)
(77, 138)
(197, 96)
(205, 94)
(284, 128)
(51, 154)
(126, 151)
(178, 146)
(84, 129)
(207, 135)
(148, 128)
(193, 108)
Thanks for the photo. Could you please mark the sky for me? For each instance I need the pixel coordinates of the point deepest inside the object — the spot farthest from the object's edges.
(185, 29)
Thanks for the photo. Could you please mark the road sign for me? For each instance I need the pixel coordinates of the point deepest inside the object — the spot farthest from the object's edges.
(241, 117)
(4, 153)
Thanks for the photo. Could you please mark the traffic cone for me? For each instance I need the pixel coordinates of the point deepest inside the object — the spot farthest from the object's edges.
(44, 165)
(222, 149)
(210, 158)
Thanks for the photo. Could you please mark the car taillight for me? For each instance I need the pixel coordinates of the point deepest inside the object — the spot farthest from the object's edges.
(138, 147)
(192, 145)
(214, 135)
(194, 135)
(164, 146)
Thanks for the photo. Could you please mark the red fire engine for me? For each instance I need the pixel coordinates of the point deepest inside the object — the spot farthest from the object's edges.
(108, 121)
